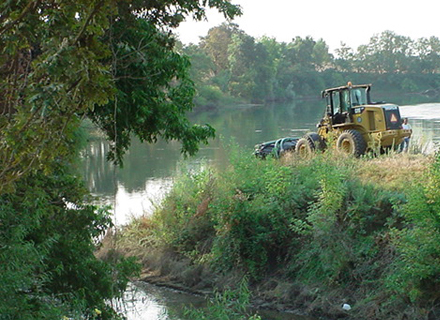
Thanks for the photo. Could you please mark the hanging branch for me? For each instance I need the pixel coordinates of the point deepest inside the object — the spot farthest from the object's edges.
(30, 6)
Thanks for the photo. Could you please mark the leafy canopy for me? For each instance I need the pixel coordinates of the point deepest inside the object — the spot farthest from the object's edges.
(111, 60)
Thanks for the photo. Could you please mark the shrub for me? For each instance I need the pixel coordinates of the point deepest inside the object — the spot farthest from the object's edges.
(230, 304)
(416, 270)
(48, 236)
(183, 222)
(251, 215)
(341, 225)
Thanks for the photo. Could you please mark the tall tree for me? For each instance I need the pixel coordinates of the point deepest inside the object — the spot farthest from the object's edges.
(345, 58)
(428, 52)
(202, 66)
(301, 53)
(60, 61)
(387, 53)
(241, 57)
(216, 44)
(321, 56)
(66, 59)
(264, 74)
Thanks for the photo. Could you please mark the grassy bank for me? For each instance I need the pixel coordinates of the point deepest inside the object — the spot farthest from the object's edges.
(310, 235)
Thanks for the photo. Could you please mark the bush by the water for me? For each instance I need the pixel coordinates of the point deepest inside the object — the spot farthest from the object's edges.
(230, 304)
(332, 224)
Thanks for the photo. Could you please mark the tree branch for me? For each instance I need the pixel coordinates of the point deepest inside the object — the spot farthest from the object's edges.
(30, 6)
(89, 18)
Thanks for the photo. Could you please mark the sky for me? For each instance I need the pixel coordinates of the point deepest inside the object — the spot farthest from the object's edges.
(336, 22)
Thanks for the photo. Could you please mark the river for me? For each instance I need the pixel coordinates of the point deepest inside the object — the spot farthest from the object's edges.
(149, 170)
(143, 301)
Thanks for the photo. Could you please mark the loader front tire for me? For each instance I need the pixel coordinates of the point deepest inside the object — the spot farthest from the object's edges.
(351, 142)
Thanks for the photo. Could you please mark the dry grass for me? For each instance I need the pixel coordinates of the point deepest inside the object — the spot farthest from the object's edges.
(396, 171)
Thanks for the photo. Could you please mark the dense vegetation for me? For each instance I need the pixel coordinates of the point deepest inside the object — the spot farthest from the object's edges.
(112, 61)
(229, 62)
(115, 62)
(312, 234)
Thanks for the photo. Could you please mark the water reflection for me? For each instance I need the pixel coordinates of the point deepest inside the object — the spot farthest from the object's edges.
(249, 125)
(149, 168)
(139, 187)
(129, 204)
(145, 301)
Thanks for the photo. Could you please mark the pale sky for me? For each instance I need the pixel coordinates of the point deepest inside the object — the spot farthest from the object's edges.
(351, 22)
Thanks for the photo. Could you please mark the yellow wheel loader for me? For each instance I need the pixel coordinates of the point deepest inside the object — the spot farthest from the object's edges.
(355, 124)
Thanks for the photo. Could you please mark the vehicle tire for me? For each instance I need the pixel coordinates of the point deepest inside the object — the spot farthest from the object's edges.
(351, 142)
(305, 147)
(390, 149)
(317, 141)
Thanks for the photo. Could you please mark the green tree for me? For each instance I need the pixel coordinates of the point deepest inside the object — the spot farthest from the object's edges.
(345, 58)
(202, 66)
(216, 44)
(301, 53)
(428, 52)
(265, 74)
(321, 56)
(274, 57)
(60, 61)
(241, 65)
(303, 59)
(153, 91)
(48, 266)
(386, 53)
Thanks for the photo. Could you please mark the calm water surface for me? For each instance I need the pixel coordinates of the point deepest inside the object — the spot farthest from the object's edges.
(143, 301)
(149, 170)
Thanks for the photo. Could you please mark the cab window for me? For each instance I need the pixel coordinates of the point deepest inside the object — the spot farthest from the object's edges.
(336, 102)
(358, 97)
(345, 101)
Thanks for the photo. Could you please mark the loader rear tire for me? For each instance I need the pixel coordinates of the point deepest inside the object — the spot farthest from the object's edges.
(318, 143)
(305, 148)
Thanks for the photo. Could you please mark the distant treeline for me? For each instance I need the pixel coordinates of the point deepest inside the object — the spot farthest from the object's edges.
(229, 63)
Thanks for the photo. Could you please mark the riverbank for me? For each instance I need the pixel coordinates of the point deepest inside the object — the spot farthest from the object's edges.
(310, 236)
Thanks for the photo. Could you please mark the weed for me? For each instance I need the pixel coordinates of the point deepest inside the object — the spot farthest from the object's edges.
(230, 304)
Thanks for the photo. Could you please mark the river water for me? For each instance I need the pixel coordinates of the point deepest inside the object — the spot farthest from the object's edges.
(149, 170)
(143, 301)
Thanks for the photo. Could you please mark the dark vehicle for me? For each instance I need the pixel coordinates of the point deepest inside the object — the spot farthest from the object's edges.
(275, 148)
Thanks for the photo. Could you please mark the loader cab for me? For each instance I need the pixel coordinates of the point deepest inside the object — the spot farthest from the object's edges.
(342, 100)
